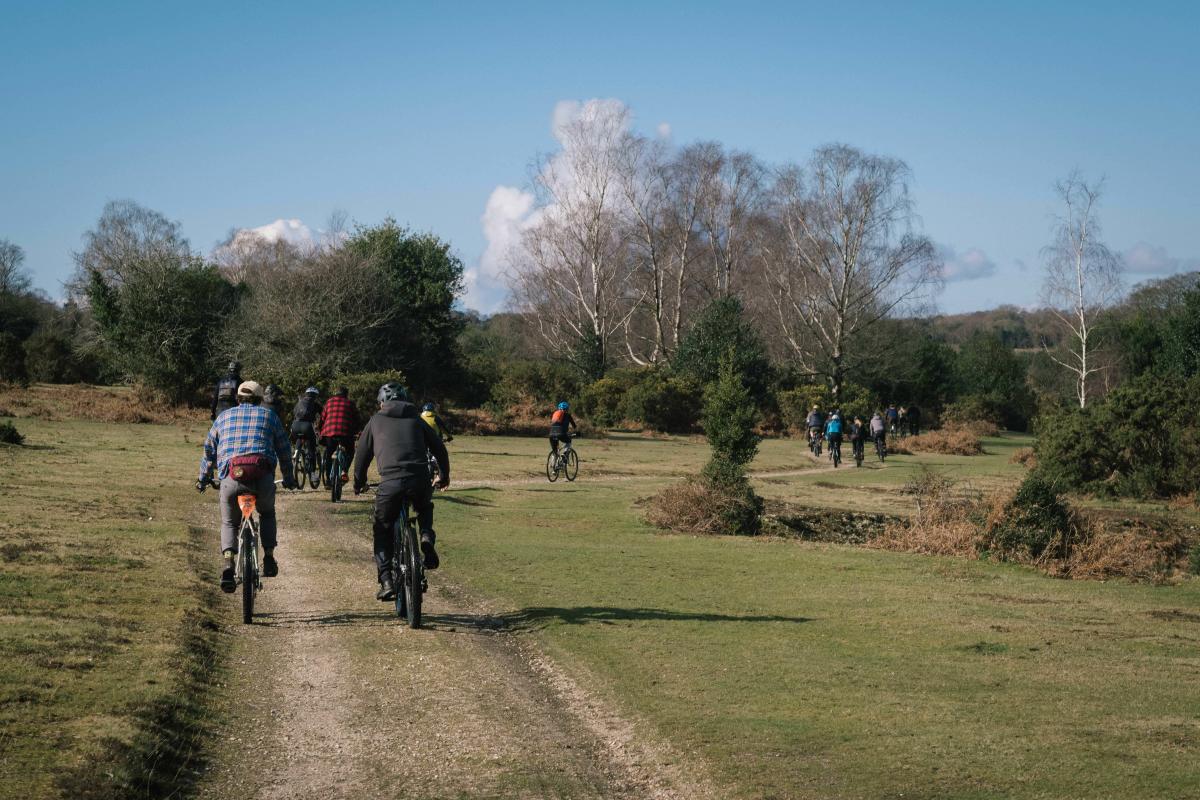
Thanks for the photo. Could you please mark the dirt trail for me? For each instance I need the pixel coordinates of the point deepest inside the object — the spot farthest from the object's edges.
(330, 697)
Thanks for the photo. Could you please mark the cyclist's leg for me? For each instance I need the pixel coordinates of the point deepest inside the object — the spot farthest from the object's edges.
(388, 500)
(421, 496)
(264, 487)
(566, 439)
(553, 443)
(231, 515)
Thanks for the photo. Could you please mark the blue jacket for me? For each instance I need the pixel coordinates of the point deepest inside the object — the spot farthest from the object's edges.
(833, 427)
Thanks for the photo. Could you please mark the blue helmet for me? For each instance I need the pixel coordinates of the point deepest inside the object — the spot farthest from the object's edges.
(427, 407)
(563, 406)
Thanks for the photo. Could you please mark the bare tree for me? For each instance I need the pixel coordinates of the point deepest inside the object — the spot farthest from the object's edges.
(840, 254)
(571, 273)
(663, 198)
(731, 193)
(1083, 277)
(13, 279)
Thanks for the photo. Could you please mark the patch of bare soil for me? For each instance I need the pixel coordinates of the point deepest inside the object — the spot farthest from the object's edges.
(330, 696)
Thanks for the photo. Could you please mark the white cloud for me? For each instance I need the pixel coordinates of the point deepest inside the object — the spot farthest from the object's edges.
(664, 130)
(508, 213)
(1148, 259)
(971, 265)
(292, 231)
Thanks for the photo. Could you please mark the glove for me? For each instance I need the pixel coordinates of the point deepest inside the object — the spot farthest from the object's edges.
(442, 483)
(359, 489)
(449, 438)
(201, 485)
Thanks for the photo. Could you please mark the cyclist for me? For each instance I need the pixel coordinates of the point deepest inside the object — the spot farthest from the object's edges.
(225, 392)
(273, 399)
(400, 443)
(561, 423)
(878, 429)
(892, 416)
(833, 432)
(429, 414)
(914, 420)
(339, 425)
(305, 416)
(249, 437)
(858, 435)
(815, 423)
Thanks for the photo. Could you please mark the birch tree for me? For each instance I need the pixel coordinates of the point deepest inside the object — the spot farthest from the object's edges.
(1083, 277)
(571, 273)
(840, 254)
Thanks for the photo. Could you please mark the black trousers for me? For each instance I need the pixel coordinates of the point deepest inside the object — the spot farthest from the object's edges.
(555, 438)
(331, 443)
(389, 497)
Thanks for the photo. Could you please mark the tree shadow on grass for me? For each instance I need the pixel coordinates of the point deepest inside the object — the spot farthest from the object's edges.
(463, 500)
(538, 617)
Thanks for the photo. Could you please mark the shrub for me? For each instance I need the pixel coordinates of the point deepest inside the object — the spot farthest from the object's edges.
(975, 408)
(12, 359)
(544, 381)
(1025, 457)
(9, 434)
(944, 524)
(664, 402)
(1035, 522)
(364, 389)
(603, 401)
(796, 403)
(723, 332)
(1194, 559)
(954, 441)
(695, 505)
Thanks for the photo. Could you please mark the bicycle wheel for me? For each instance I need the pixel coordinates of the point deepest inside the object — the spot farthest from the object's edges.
(335, 477)
(398, 561)
(248, 577)
(836, 451)
(571, 468)
(858, 457)
(314, 477)
(298, 473)
(412, 576)
(552, 467)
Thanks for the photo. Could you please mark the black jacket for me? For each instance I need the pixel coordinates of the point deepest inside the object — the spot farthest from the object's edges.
(307, 409)
(225, 393)
(399, 441)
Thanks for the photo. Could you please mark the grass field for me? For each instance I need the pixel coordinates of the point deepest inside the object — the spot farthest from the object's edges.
(793, 669)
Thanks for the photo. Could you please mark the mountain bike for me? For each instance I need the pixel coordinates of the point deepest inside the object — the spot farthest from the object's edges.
(565, 462)
(858, 453)
(299, 460)
(880, 448)
(247, 573)
(835, 452)
(814, 442)
(408, 567)
(338, 465)
(435, 472)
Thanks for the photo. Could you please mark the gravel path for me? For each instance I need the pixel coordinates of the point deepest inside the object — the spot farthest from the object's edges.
(329, 696)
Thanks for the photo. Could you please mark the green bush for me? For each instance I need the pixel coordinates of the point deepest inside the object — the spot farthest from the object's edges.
(603, 401)
(1140, 441)
(544, 382)
(1194, 559)
(9, 434)
(729, 420)
(364, 389)
(722, 331)
(1035, 521)
(796, 403)
(664, 402)
(12, 359)
(976, 408)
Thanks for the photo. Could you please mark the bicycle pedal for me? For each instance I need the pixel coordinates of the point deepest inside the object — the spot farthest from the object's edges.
(424, 585)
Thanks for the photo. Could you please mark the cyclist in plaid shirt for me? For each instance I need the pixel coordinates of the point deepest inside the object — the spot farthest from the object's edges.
(339, 425)
(246, 429)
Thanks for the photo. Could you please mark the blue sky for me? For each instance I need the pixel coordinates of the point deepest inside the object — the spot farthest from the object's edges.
(232, 115)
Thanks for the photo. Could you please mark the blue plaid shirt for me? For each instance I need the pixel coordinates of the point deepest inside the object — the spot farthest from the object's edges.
(244, 430)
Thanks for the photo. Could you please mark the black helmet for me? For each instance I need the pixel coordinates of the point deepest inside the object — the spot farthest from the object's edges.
(272, 392)
(427, 407)
(391, 391)
(235, 367)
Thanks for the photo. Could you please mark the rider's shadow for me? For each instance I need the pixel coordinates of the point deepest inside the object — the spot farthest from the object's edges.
(322, 619)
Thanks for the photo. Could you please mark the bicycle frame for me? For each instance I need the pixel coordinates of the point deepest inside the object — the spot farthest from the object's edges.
(408, 567)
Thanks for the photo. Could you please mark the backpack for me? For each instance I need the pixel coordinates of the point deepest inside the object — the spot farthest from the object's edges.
(559, 417)
(226, 388)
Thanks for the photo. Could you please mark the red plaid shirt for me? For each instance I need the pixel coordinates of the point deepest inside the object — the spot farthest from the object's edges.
(339, 417)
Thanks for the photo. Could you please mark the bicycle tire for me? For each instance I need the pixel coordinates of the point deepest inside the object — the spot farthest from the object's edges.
(398, 568)
(314, 477)
(836, 452)
(571, 468)
(335, 477)
(248, 577)
(412, 577)
(551, 467)
(299, 475)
